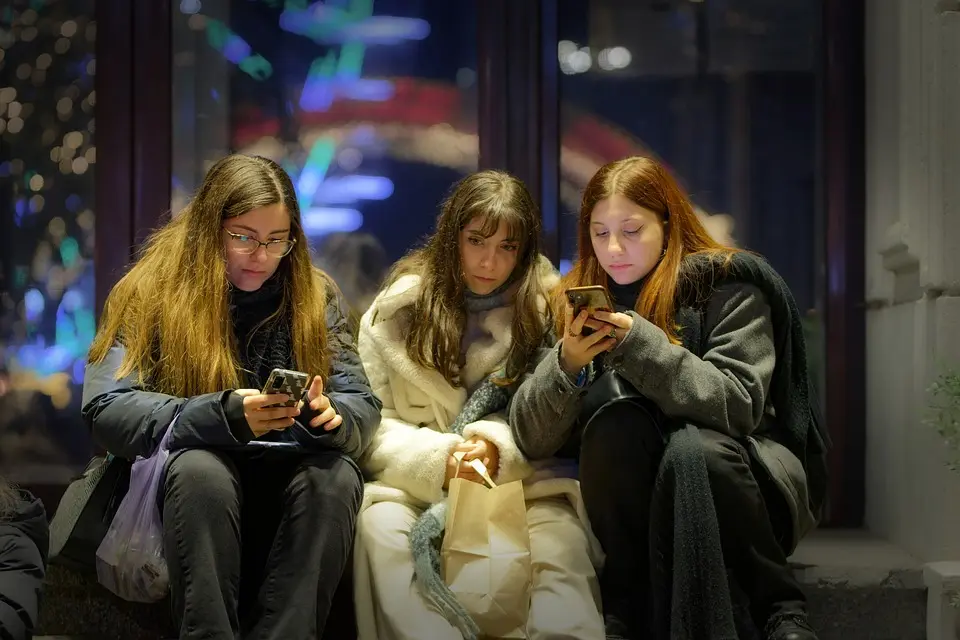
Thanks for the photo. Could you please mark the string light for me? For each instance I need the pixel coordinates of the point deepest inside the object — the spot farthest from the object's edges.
(46, 172)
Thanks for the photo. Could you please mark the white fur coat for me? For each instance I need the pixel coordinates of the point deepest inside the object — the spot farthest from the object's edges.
(407, 457)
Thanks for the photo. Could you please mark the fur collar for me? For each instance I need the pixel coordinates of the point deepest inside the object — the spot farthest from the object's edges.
(387, 332)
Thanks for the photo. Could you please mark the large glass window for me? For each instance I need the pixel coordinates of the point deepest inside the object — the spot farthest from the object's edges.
(47, 159)
(370, 105)
(726, 93)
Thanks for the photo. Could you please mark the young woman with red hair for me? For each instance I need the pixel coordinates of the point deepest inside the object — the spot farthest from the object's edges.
(694, 386)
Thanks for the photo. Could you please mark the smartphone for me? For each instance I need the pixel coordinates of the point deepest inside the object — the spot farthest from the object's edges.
(292, 383)
(592, 298)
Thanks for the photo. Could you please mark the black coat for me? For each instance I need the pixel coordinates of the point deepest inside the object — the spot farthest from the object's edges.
(129, 421)
(23, 554)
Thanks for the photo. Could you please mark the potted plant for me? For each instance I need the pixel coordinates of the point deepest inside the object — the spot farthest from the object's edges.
(944, 413)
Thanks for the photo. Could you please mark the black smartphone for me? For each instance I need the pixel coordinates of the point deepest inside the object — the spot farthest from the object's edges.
(592, 298)
(293, 383)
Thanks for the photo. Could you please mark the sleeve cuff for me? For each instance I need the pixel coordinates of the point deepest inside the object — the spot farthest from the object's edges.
(236, 421)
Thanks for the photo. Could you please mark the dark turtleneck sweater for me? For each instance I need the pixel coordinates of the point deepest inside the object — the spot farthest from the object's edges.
(624, 295)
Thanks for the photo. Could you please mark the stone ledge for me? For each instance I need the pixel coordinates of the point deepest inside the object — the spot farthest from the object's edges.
(855, 558)
(943, 597)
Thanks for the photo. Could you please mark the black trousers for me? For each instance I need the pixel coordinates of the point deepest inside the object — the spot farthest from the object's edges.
(256, 542)
(620, 453)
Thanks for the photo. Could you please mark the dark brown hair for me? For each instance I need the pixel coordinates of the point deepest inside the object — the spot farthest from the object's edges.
(438, 316)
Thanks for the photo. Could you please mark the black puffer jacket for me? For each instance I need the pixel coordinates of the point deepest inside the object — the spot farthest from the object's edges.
(129, 421)
(23, 555)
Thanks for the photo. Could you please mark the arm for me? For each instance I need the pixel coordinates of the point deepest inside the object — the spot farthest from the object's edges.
(23, 548)
(129, 422)
(401, 454)
(21, 579)
(349, 392)
(726, 390)
(545, 406)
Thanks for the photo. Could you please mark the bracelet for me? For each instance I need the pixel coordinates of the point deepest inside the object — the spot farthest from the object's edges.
(582, 377)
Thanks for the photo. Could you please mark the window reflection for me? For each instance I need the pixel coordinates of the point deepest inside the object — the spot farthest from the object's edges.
(47, 162)
(726, 94)
(368, 104)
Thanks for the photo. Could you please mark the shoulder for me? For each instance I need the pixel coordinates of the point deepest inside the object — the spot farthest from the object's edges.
(737, 298)
(548, 274)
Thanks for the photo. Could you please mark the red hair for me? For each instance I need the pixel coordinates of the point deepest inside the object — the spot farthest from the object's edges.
(646, 183)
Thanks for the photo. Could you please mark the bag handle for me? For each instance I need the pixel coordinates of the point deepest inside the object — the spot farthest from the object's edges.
(477, 466)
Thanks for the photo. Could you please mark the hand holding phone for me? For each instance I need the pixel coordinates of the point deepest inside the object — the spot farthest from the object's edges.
(266, 412)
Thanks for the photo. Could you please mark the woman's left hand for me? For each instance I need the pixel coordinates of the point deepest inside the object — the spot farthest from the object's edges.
(486, 452)
(621, 323)
(329, 419)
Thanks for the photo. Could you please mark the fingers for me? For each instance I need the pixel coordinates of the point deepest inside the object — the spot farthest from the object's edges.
(578, 322)
(568, 320)
(334, 423)
(469, 474)
(325, 416)
(316, 389)
(597, 337)
(320, 403)
(247, 392)
(277, 413)
(604, 345)
(272, 425)
(616, 319)
(259, 401)
(597, 325)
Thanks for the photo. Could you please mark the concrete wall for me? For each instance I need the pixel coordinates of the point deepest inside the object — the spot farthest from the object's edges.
(913, 266)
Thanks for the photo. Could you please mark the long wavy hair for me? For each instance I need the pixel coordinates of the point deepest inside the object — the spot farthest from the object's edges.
(438, 317)
(170, 311)
(646, 183)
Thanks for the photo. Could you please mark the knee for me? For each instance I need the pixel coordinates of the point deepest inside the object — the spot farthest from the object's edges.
(386, 524)
(203, 479)
(726, 459)
(619, 431)
(326, 481)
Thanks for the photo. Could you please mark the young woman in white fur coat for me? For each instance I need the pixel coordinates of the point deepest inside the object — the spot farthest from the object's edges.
(469, 305)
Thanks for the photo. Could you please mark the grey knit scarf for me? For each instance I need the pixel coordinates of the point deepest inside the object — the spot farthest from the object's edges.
(427, 532)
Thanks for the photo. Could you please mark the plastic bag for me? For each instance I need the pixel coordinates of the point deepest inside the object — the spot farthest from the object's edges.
(130, 560)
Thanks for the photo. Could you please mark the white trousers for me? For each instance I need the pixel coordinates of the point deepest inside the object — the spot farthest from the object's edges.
(565, 601)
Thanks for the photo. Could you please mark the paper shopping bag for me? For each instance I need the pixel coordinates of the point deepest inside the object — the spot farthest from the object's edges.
(486, 555)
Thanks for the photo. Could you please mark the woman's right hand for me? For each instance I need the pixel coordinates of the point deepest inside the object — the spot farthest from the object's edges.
(578, 350)
(261, 417)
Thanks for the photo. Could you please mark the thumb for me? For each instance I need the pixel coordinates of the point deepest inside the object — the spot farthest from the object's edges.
(244, 393)
(316, 388)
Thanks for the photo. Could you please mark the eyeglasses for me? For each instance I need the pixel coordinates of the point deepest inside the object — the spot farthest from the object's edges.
(240, 243)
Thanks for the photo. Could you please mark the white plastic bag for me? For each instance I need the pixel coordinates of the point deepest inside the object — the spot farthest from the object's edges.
(130, 560)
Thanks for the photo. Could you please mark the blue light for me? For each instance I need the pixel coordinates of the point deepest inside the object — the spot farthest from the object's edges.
(79, 365)
(72, 300)
(367, 90)
(236, 49)
(189, 6)
(73, 202)
(33, 304)
(318, 221)
(349, 189)
(565, 266)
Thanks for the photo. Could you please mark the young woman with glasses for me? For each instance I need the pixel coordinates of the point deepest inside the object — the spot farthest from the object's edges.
(259, 500)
